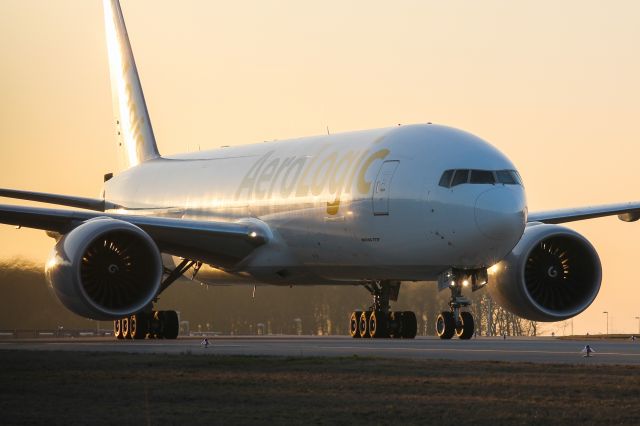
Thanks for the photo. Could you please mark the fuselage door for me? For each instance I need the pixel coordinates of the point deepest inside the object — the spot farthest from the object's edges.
(382, 188)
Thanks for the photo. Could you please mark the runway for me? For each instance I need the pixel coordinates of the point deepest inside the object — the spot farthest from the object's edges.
(513, 349)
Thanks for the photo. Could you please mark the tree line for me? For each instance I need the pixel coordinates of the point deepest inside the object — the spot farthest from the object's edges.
(27, 303)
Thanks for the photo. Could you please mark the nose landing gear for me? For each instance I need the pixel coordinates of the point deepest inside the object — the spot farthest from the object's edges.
(379, 321)
(456, 321)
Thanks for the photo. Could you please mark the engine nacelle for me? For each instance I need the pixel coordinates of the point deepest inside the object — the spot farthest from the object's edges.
(105, 269)
(552, 274)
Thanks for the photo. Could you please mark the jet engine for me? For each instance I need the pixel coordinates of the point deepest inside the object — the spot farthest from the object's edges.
(552, 274)
(105, 269)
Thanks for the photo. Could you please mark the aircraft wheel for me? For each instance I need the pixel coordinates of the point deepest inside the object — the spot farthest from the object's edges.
(354, 329)
(466, 326)
(409, 325)
(156, 325)
(117, 329)
(124, 327)
(395, 324)
(170, 324)
(378, 325)
(445, 325)
(138, 326)
(363, 324)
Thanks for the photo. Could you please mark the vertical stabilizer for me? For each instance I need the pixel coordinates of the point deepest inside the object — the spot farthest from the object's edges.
(133, 127)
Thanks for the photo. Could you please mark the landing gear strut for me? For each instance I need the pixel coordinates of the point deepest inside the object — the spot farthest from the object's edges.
(379, 321)
(456, 321)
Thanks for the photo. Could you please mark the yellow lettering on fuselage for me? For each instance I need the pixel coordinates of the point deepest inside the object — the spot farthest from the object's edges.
(298, 176)
(363, 185)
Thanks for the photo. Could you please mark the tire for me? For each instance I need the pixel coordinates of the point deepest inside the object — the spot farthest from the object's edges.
(465, 331)
(117, 329)
(395, 324)
(363, 324)
(354, 330)
(445, 325)
(156, 325)
(409, 325)
(124, 327)
(139, 326)
(170, 324)
(378, 325)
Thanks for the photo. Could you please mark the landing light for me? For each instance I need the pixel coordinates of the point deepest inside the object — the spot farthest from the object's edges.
(253, 234)
(52, 262)
(465, 283)
(494, 269)
(452, 283)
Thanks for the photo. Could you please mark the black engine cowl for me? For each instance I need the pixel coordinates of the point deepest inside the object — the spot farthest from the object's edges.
(552, 274)
(105, 269)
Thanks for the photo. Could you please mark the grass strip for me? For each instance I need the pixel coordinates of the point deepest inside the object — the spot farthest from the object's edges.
(107, 388)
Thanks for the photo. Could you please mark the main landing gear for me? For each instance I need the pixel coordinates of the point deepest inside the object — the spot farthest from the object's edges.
(378, 321)
(155, 324)
(456, 321)
(152, 325)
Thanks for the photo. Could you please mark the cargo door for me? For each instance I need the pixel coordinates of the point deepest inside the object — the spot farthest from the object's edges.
(382, 188)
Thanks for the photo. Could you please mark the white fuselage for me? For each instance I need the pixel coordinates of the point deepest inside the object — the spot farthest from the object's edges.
(342, 208)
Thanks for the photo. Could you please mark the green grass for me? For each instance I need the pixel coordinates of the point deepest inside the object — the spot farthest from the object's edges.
(100, 388)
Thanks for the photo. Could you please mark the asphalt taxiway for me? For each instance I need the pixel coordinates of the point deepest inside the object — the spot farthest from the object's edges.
(513, 349)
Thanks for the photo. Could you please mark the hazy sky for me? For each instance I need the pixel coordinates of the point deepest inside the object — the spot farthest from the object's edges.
(554, 85)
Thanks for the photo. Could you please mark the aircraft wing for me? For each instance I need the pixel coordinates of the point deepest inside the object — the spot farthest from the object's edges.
(96, 204)
(627, 212)
(216, 243)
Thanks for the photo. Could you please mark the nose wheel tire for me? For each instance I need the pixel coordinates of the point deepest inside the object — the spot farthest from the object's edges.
(445, 325)
(465, 328)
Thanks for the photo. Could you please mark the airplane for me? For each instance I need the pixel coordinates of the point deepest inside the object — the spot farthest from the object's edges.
(371, 208)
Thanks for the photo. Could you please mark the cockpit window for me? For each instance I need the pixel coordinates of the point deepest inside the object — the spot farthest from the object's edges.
(482, 176)
(506, 177)
(517, 176)
(509, 177)
(451, 178)
(445, 180)
(461, 176)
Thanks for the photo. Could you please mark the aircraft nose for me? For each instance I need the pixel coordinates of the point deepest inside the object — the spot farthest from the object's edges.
(501, 213)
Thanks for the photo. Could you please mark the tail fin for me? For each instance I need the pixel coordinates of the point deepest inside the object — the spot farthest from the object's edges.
(133, 126)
